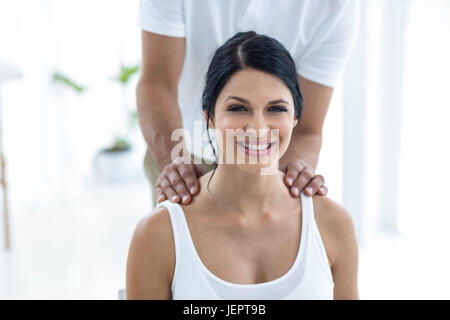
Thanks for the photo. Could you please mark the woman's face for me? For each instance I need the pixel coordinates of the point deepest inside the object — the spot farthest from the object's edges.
(254, 119)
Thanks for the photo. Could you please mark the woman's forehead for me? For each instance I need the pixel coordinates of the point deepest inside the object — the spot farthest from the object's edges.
(251, 84)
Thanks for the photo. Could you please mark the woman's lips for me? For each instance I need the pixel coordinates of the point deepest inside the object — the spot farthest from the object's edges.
(258, 153)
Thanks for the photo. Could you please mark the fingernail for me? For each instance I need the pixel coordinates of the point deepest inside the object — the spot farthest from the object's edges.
(309, 190)
(289, 181)
(193, 189)
(160, 198)
(295, 190)
(174, 198)
(185, 198)
(322, 189)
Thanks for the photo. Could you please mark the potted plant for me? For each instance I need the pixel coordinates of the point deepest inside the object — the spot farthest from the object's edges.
(114, 162)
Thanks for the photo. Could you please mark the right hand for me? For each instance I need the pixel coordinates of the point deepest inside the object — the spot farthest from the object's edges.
(178, 181)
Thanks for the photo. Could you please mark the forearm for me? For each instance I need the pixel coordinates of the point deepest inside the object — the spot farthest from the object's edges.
(303, 146)
(159, 115)
(306, 140)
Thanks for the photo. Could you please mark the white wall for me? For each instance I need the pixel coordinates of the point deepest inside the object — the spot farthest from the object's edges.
(51, 134)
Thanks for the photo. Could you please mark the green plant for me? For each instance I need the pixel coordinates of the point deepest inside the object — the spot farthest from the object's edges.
(126, 73)
(124, 76)
(120, 143)
(60, 78)
(132, 119)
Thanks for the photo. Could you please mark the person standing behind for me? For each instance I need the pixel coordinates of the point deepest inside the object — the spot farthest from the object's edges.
(178, 40)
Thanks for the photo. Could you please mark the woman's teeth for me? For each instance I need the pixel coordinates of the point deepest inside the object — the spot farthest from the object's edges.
(257, 147)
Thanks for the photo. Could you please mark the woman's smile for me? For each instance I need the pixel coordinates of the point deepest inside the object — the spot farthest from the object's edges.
(256, 149)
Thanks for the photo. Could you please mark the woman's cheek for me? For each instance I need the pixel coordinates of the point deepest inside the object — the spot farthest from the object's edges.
(227, 128)
(284, 132)
(225, 137)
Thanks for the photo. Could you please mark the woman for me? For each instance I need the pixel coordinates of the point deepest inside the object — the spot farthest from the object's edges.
(243, 236)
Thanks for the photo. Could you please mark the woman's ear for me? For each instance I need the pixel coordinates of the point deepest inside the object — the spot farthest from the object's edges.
(295, 122)
(211, 121)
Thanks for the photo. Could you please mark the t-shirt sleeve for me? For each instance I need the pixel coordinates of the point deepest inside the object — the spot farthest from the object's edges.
(165, 17)
(325, 62)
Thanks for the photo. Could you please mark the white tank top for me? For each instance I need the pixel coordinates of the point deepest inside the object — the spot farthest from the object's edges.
(308, 278)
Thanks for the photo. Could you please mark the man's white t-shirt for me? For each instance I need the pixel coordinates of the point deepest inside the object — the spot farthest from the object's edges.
(319, 35)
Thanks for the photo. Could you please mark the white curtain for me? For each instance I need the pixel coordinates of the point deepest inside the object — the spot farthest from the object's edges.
(424, 209)
(395, 108)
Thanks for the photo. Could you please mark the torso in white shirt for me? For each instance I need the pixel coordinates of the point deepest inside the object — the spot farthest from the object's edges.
(318, 34)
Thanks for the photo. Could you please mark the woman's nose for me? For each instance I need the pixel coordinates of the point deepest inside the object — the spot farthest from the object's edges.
(258, 122)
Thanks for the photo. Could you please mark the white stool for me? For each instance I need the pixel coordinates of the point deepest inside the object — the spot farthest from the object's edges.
(8, 72)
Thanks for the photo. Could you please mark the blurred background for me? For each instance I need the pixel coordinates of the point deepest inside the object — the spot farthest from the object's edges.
(73, 152)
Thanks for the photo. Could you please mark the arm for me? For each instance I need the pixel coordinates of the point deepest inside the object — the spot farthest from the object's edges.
(159, 114)
(307, 135)
(345, 263)
(300, 160)
(151, 258)
(322, 65)
(157, 93)
(336, 228)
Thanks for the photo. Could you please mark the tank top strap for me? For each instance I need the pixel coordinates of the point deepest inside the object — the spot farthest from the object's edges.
(307, 212)
(183, 255)
(174, 217)
(179, 225)
(178, 219)
(313, 240)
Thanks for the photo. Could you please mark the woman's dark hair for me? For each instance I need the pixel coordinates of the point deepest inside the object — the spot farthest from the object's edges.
(249, 50)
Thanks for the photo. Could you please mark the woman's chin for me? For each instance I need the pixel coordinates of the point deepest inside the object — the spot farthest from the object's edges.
(261, 166)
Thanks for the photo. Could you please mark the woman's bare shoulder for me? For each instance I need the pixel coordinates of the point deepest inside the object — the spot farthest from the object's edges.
(330, 212)
(158, 217)
(151, 256)
(335, 225)
(338, 234)
(154, 231)
(155, 226)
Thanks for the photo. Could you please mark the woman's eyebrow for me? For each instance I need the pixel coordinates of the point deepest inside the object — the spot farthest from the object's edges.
(248, 102)
(277, 101)
(237, 98)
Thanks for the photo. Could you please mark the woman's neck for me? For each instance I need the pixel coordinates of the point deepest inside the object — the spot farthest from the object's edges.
(241, 192)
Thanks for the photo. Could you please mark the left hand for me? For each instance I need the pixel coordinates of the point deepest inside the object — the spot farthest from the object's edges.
(300, 176)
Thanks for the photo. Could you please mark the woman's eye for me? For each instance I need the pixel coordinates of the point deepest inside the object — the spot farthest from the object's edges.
(279, 109)
(241, 108)
(236, 108)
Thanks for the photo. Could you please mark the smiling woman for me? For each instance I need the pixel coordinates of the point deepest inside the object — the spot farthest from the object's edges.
(244, 236)
(245, 66)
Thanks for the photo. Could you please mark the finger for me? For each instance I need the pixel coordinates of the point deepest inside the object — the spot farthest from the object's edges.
(314, 185)
(323, 190)
(168, 191)
(160, 197)
(303, 179)
(190, 177)
(292, 172)
(177, 183)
